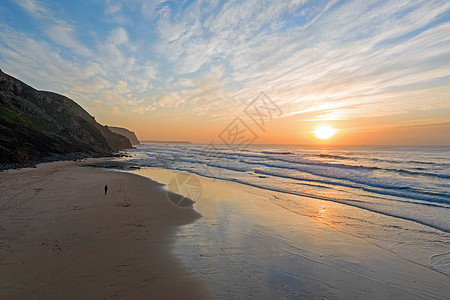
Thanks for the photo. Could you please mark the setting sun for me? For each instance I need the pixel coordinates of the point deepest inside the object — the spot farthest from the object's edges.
(324, 132)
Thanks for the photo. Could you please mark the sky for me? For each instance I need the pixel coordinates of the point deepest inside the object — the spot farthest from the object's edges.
(378, 72)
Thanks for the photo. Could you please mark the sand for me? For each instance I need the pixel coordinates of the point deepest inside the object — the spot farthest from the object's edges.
(61, 237)
(134, 243)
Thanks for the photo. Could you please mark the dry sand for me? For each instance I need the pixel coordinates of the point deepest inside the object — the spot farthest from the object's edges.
(110, 246)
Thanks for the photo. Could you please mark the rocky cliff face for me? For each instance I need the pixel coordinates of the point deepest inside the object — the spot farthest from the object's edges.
(35, 124)
(130, 135)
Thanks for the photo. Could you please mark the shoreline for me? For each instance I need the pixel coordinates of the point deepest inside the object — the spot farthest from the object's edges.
(243, 232)
(62, 237)
(55, 157)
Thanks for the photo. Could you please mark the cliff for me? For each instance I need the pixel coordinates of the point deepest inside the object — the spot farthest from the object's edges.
(130, 135)
(35, 124)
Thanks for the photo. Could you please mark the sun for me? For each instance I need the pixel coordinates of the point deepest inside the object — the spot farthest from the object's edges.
(324, 132)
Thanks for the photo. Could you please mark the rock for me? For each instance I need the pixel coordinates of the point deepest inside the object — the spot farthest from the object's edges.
(130, 135)
(37, 125)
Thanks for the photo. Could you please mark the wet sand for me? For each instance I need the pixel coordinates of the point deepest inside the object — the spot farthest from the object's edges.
(244, 245)
(61, 237)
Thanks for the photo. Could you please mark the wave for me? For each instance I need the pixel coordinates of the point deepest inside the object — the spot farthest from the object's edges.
(371, 187)
(399, 161)
(346, 166)
(354, 179)
(352, 202)
(294, 162)
(414, 193)
(277, 153)
(362, 156)
(421, 162)
(334, 165)
(335, 156)
(401, 171)
(289, 158)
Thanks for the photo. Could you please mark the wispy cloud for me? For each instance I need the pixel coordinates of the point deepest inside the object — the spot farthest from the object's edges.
(62, 34)
(324, 54)
(33, 7)
(332, 60)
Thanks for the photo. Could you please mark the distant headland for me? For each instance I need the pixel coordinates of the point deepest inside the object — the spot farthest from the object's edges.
(166, 142)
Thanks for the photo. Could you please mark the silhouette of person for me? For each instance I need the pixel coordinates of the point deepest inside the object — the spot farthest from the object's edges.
(106, 189)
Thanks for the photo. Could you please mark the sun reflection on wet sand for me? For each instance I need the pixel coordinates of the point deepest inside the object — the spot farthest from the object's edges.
(246, 245)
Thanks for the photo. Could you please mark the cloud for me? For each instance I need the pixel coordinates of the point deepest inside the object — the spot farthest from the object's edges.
(118, 36)
(62, 34)
(33, 7)
(56, 29)
(40, 62)
(112, 9)
(321, 67)
(328, 60)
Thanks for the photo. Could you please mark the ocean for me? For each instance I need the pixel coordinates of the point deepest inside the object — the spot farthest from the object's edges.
(397, 197)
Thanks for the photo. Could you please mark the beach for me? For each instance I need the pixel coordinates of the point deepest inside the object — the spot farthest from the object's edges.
(224, 149)
(63, 238)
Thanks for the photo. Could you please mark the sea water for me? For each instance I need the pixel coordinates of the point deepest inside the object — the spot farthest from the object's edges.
(396, 197)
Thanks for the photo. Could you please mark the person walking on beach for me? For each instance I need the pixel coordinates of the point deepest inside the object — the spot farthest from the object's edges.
(106, 189)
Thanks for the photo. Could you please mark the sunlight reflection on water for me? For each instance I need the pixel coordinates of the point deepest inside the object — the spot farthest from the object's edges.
(246, 244)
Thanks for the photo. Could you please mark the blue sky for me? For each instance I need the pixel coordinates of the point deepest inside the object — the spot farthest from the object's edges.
(198, 61)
